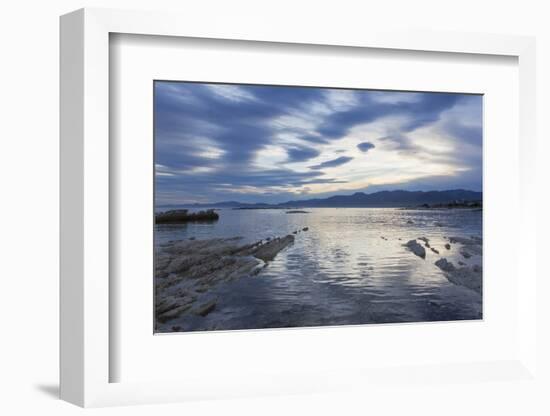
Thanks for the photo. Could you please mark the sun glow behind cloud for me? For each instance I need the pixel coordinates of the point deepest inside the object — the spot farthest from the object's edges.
(261, 143)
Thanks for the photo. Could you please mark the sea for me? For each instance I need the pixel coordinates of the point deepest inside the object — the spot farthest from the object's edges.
(349, 268)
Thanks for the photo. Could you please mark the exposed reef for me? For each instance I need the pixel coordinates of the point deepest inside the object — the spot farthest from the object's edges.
(179, 216)
(187, 270)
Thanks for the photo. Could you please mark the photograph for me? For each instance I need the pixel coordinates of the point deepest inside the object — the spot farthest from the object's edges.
(283, 206)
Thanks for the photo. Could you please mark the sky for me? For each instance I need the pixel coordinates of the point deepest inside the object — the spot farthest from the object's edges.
(255, 143)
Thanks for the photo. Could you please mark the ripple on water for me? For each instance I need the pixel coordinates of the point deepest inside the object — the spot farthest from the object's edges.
(340, 271)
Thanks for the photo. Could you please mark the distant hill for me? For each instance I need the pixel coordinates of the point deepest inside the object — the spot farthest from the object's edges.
(390, 199)
(360, 199)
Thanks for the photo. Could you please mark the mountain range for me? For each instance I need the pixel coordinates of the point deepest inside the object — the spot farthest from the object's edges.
(397, 198)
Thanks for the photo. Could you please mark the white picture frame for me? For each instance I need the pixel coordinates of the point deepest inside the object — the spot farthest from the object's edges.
(85, 209)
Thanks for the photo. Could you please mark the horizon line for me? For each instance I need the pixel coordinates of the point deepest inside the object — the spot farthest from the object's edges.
(314, 198)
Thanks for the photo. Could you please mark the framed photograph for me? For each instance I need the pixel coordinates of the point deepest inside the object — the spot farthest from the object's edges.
(246, 213)
(288, 206)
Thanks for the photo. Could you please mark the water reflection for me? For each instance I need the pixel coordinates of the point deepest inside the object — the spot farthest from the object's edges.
(350, 267)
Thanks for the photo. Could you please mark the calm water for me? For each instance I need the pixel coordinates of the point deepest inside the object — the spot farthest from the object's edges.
(341, 271)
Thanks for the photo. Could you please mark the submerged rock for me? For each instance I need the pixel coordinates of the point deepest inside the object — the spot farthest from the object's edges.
(297, 211)
(448, 246)
(416, 248)
(305, 229)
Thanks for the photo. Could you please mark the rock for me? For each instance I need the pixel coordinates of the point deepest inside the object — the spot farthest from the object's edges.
(465, 254)
(294, 232)
(461, 263)
(463, 276)
(426, 241)
(297, 211)
(191, 238)
(206, 308)
(188, 270)
(445, 265)
(416, 248)
(448, 246)
(438, 224)
(305, 229)
(434, 250)
(268, 251)
(177, 216)
(410, 222)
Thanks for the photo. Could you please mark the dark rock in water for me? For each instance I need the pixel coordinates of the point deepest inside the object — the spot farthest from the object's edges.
(179, 216)
(426, 241)
(461, 263)
(445, 265)
(410, 222)
(465, 254)
(305, 228)
(294, 232)
(297, 211)
(416, 248)
(434, 250)
(448, 246)
(438, 224)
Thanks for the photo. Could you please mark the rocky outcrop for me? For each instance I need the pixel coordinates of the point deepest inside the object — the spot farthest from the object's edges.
(416, 248)
(187, 270)
(470, 277)
(179, 216)
(268, 251)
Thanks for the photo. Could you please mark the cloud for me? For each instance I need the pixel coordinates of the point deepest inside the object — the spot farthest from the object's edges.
(298, 154)
(365, 146)
(254, 142)
(332, 163)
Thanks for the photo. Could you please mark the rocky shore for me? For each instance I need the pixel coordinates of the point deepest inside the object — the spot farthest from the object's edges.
(179, 216)
(187, 271)
(469, 276)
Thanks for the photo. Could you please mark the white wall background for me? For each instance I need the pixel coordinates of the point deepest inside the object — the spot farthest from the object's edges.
(29, 206)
